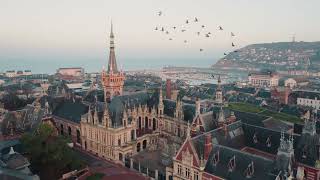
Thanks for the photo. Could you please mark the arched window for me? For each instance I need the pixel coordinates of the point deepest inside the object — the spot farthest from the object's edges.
(146, 125)
(69, 130)
(139, 122)
(144, 144)
(133, 134)
(78, 136)
(61, 129)
(120, 157)
(138, 147)
(154, 124)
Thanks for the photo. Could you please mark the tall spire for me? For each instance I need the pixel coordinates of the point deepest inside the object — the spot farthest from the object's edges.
(112, 65)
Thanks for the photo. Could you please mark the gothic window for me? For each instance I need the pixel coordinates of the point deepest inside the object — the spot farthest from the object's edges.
(179, 169)
(120, 157)
(146, 122)
(196, 175)
(138, 147)
(61, 129)
(78, 136)
(132, 135)
(69, 131)
(144, 144)
(139, 122)
(154, 124)
(187, 173)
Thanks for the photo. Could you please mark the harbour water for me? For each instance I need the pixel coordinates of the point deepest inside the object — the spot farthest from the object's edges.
(49, 65)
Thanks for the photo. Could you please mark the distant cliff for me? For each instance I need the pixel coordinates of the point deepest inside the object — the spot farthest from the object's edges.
(277, 56)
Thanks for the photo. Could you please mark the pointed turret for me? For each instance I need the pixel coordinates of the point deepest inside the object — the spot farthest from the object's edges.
(89, 117)
(95, 116)
(106, 117)
(160, 105)
(218, 95)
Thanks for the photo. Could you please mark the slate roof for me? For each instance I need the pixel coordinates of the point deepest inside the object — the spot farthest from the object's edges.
(70, 110)
(306, 94)
(240, 135)
(189, 110)
(262, 166)
(119, 104)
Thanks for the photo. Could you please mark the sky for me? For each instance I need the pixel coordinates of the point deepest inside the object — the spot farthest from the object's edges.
(48, 34)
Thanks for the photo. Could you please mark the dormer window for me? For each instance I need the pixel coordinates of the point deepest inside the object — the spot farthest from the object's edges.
(232, 164)
(250, 170)
(268, 142)
(216, 158)
(255, 139)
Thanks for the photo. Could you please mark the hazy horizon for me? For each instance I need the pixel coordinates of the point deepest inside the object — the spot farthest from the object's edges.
(52, 34)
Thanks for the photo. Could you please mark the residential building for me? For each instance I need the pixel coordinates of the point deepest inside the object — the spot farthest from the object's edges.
(263, 79)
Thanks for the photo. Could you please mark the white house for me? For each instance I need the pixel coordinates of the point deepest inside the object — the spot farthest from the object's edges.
(306, 101)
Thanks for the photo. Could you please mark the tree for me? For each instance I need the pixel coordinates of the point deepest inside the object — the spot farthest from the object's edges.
(49, 154)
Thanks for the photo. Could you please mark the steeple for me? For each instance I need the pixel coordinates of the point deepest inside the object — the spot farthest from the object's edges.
(219, 83)
(112, 79)
(112, 65)
(219, 95)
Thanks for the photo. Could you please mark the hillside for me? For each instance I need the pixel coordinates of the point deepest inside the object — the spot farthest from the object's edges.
(278, 56)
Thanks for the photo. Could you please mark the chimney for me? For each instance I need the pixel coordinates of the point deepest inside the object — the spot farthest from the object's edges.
(207, 145)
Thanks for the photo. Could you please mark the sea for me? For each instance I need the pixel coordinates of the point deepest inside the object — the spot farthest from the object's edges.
(49, 66)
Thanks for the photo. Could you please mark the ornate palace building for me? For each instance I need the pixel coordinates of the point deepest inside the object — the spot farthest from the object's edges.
(176, 139)
(123, 124)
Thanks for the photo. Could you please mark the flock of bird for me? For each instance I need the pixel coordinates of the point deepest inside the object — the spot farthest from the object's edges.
(196, 21)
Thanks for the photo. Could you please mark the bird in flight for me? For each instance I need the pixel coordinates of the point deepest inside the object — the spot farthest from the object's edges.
(196, 19)
(225, 54)
(159, 13)
(209, 32)
(170, 39)
(201, 50)
(162, 29)
(207, 35)
(232, 34)
(187, 21)
(185, 41)
(202, 26)
(174, 27)
(183, 30)
(233, 45)
(236, 51)
(220, 28)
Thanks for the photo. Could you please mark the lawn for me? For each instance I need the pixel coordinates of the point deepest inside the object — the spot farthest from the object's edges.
(245, 107)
